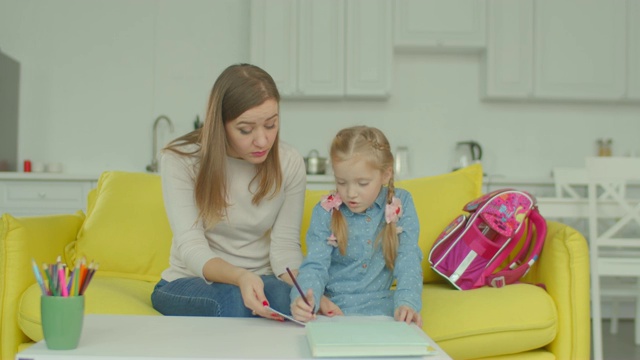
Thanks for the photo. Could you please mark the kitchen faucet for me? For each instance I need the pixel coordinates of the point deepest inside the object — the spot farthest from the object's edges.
(153, 167)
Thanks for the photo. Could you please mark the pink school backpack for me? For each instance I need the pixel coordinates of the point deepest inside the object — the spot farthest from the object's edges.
(471, 249)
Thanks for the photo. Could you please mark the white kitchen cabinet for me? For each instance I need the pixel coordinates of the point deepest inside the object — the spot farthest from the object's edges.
(633, 44)
(274, 40)
(440, 25)
(321, 49)
(549, 50)
(580, 49)
(508, 59)
(369, 50)
(324, 49)
(32, 194)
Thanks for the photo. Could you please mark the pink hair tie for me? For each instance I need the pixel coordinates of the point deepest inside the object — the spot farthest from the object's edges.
(331, 201)
(393, 211)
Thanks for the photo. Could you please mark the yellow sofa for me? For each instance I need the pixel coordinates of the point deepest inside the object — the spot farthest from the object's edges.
(126, 231)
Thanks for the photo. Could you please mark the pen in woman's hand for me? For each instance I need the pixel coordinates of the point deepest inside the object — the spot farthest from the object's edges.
(293, 278)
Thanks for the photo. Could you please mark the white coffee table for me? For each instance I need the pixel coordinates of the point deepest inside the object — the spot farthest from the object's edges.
(135, 337)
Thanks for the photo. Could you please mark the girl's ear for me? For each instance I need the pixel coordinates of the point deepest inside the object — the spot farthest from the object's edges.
(386, 175)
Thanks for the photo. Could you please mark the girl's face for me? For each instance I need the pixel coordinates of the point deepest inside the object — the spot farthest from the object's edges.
(252, 134)
(358, 183)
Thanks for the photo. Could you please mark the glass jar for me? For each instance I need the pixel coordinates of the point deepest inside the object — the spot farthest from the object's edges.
(604, 147)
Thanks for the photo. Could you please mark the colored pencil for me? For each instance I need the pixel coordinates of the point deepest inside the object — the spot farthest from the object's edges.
(293, 278)
(36, 272)
(63, 285)
(47, 273)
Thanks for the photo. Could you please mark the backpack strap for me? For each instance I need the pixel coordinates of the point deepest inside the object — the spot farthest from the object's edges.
(522, 263)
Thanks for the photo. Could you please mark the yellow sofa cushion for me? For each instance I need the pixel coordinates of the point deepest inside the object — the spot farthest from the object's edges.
(126, 231)
(489, 322)
(105, 295)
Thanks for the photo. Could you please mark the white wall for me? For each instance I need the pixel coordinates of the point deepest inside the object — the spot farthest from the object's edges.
(96, 73)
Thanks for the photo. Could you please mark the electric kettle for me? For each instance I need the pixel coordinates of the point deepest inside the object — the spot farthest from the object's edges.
(467, 153)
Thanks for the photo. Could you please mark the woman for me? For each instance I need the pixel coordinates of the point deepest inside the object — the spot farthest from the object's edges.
(234, 196)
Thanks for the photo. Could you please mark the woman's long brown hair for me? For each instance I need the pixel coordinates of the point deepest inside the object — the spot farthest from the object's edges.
(370, 144)
(239, 88)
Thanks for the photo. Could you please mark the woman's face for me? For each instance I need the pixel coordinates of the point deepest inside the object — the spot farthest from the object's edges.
(252, 134)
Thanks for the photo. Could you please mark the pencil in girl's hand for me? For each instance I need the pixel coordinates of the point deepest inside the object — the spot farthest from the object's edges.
(293, 278)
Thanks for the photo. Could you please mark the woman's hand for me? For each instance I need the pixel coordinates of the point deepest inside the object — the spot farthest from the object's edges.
(408, 315)
(252, 290)
(302, 311)
(328, 308)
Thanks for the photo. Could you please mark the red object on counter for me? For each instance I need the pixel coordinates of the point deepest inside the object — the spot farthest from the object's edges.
(27, 166)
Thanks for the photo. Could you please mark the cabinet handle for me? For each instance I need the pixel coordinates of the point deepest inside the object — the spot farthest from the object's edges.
(42, 195)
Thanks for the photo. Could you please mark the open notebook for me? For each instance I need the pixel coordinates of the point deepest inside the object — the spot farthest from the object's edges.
(366, 336)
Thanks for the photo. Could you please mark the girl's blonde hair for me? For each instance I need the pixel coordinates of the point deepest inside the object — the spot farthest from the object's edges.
(372, 146)
(239, 88)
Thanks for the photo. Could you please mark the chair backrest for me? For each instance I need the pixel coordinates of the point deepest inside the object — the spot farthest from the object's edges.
(609, 196)
(568, 180)
(571, 182)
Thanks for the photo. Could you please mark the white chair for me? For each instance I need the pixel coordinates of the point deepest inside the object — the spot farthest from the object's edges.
(614, 244)
(571, 183)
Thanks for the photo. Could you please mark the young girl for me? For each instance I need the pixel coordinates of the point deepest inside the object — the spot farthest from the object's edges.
(362, 237)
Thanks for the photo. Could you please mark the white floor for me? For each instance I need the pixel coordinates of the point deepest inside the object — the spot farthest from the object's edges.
(621, 345)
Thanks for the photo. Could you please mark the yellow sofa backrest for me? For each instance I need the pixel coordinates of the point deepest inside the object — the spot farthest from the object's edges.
(127, 232)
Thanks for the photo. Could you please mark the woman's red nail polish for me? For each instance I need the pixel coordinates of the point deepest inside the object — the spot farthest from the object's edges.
(273, 315)
(265, 303)
(330, 313)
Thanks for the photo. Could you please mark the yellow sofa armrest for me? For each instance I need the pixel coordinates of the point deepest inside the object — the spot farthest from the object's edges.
(563, 268)
(42, 238)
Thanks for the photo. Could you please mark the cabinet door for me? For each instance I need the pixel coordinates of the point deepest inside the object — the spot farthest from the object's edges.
(633, 43)
(580, 49)
(43, 197)
(274, 41)
(440, 24)
(321, 48)
(369, 48)
(508, 60)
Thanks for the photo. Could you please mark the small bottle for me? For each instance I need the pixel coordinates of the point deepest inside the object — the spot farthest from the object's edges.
(604, 147)
(27, 166)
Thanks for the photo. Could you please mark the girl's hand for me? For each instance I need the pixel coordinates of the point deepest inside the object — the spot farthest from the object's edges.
(300, 310)
(252, 290)
(408, 315)
(328, 308)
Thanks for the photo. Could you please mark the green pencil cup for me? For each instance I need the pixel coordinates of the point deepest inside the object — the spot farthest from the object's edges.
(62, 319)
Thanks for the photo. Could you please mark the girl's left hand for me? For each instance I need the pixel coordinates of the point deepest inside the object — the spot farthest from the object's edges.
(328, 308)
(408, 315)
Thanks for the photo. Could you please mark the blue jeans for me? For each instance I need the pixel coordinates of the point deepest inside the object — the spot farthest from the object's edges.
(194, 297)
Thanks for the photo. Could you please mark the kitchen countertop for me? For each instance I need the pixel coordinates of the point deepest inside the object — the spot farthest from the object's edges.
(13, 175)
(489, 179)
